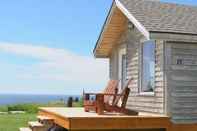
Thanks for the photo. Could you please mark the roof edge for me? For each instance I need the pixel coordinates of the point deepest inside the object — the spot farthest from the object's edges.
(107, 19)
(137, 24)
(121, 7)
(173, 36)
(178, 33)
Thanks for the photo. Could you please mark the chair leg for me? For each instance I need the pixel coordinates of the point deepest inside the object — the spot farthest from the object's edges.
(120, 110)
(86, 110)
(128, 111)
(100, 104)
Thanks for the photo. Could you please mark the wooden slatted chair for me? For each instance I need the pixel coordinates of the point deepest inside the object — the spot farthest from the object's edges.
(116, 103)
(89, 101)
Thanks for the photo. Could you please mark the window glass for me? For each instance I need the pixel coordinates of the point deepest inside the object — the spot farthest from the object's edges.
(148, 67)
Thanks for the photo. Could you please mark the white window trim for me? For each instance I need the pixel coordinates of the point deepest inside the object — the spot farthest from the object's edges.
(147, 93)
(121, 52)
(141, 93)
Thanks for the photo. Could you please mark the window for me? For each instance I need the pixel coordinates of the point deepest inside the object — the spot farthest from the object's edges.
(179, 62)
(124, 71)
(122, 67)
(148, 67)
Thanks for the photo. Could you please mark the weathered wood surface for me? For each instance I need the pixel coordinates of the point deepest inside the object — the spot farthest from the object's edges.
(155, 103)
(131, 41)
(182, 82)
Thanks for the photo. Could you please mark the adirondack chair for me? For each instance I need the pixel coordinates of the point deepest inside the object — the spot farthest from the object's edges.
(110, 102)
(89, 101)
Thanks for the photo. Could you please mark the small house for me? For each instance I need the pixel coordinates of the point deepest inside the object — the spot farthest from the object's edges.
(156, 44)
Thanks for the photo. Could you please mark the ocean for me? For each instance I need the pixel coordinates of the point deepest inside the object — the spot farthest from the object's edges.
(7, 99)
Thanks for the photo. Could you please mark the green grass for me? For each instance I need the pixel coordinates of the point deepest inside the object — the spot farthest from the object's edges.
(12, 122)
(31, 108)
(3, 108)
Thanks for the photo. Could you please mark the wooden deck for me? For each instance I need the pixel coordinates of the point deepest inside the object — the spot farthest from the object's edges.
(77, 119)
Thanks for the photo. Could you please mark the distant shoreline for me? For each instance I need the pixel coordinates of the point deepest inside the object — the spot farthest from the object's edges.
(6, 99)
(42, 94)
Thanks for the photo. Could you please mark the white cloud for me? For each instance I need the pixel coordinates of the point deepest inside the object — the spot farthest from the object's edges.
(59, 65)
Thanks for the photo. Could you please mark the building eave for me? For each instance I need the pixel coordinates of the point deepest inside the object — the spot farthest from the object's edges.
(117, 5)
(103, 29)
(173, 36)
(132, 19)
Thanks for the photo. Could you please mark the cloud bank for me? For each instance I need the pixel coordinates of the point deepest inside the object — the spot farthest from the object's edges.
(72, 70)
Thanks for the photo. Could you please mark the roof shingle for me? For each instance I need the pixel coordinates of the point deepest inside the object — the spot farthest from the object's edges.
(163, 17)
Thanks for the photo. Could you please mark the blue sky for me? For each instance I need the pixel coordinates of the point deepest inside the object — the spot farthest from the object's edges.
(46, 45)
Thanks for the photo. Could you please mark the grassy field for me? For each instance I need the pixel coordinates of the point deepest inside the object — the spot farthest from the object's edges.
(12, 122)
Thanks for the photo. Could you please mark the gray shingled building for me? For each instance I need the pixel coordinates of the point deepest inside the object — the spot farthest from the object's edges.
(156, 44)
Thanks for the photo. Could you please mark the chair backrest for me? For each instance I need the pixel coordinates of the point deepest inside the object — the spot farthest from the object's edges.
(111, 88)
(123, 95)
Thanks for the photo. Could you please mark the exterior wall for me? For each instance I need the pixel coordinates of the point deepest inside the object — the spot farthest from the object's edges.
(182, 81)
(152, 104)
(114, 60)
(113, 63)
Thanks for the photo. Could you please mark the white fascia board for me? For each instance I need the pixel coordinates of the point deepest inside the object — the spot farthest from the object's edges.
(137, 24)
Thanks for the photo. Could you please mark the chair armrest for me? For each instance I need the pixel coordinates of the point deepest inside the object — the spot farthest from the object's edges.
(88, 96)
(107, 94)
(91, 93)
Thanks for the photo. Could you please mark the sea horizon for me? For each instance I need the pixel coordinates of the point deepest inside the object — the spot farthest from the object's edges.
(9, 99)
(35, 94)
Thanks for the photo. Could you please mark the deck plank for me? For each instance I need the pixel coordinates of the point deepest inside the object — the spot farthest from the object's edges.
(25, 129)
(80, 113)
(35, 124)
(76, 118)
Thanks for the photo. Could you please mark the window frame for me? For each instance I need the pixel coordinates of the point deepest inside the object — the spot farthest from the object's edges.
(122, 52)
(152, 93)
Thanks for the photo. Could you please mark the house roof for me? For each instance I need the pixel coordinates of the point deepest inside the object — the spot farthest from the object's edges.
(148, 17)
(163, 17)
